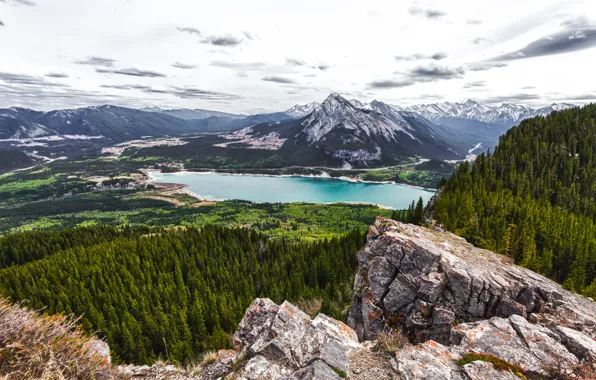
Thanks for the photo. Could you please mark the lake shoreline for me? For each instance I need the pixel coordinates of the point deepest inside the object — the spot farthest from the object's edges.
(183, 188)
(149, 172)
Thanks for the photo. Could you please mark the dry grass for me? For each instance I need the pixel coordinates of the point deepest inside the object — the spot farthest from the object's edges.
(208, 358)
(391, 340)
(35, 347)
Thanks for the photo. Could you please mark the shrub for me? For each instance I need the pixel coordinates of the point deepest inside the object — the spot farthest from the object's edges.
(34, 347)
(500, 364)
(391, 340)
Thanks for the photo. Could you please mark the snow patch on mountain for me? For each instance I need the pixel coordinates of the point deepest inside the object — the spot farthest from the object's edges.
(299, 111)
(505, 114)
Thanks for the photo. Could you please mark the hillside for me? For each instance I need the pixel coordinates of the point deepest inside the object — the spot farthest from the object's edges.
(426, 305)
(533, 199)
(186, 287)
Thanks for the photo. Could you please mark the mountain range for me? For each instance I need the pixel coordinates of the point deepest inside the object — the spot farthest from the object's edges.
(346, 132)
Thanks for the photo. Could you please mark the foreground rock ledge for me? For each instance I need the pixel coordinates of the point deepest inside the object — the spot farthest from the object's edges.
(429, 281)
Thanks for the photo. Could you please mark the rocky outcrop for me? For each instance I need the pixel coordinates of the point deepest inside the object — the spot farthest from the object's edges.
(470, 314)
(428, 281)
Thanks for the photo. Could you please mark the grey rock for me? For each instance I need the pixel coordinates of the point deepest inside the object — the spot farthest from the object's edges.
(98, 348)
(318, 370)
(579, 344)
(260, 368)
(293, 341)
(428, 361)
(480, 370)
(513, 340)
(380, 275)
(431, 287)
(258, 319)
(438, 270)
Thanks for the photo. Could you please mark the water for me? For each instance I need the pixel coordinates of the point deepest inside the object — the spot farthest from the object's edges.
(213, 186)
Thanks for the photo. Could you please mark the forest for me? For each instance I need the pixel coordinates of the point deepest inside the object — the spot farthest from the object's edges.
(171, 293)
(533, 198)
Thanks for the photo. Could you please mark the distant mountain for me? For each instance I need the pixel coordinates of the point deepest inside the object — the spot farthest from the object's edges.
(505, 115)
(341, 132)
(193, 114)
(299, 111)
(116, 124)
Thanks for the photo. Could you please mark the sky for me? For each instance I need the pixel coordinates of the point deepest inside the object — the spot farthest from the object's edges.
(267, 55)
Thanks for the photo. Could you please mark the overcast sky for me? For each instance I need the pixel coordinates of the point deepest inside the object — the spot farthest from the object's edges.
(267, 55)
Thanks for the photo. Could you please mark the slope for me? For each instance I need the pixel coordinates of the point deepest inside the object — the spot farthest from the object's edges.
(534, 198)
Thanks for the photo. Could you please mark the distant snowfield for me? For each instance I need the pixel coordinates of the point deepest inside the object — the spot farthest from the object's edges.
(470, 157)
(117, 150)
(270, 141)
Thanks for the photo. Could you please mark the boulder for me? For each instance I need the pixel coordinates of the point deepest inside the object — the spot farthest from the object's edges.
(428, 280)
(292, 343)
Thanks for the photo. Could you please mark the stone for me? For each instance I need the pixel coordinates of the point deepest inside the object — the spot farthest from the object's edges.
(99, 348)
(428, 361)
(578, 343)
(259, 368)
(293, 341)
(380, 275)
(318, 370)
(513, 340)
(441, 270)
(443, 317)
(431, 287)
(258, 318)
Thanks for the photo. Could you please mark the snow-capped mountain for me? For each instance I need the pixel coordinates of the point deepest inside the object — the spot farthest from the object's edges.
(506, 114)
(299, 110)
(338, 131)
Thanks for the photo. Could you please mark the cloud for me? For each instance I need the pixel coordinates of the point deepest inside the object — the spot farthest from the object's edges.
(429, 13)
(279, 79)
(29, 3)
(417, 57)
(131, 72)
(191, 92)
(295, 62)
(475, 84)
(590, 96)
(389, 83)
(245, 66)
(1, 23)
(186, 92)
(227, 41)
(97, 61)
(436, 72)
(189, 30)
(57, 75)
(484, 66)
(420, 74)
(528, 87)
(183, 66)
(566, 41)
(473, 21)
(513, 98)
(481, 40)
(27, 80)
(249, 35)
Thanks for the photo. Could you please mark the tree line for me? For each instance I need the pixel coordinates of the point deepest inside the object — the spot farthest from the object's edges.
(173, 293)
(534, 198)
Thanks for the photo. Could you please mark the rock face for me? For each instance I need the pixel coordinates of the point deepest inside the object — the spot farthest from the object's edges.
(431, 280)
(286, 338)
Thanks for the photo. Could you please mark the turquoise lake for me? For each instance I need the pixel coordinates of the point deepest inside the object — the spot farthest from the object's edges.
(214, 186)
